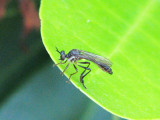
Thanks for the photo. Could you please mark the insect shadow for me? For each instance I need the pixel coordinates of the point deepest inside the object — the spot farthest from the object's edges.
(75, 55)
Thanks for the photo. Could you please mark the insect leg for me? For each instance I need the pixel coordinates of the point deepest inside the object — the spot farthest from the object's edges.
(73, 73)
(60, 63)
(82, 74)
(85, 63)
(81, 78)
(65, 68)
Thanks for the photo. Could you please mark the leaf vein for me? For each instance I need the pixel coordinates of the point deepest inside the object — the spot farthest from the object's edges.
(133, 27)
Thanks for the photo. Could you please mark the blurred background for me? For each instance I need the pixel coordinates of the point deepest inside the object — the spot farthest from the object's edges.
(30, 87)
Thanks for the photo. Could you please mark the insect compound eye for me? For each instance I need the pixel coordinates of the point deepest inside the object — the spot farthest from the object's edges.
(62, 55)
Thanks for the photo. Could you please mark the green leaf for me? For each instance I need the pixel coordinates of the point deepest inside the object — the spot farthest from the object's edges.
(127, 32)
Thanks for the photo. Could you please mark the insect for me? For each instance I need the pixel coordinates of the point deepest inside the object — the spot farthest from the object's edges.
(74, 55)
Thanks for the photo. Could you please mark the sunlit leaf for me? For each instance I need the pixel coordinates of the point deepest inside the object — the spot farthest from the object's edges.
(127, 32)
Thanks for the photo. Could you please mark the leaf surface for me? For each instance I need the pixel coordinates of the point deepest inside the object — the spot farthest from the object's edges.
(127, 32)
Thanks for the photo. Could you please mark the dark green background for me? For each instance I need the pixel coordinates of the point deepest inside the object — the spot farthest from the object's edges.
(30, 87)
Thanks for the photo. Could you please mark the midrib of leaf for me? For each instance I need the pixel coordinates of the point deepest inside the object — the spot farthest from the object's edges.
(140, 18)
(130, 30)
(133, 27)
(116, 16)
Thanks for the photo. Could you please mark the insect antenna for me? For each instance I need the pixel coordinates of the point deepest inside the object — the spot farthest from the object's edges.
(57, 50)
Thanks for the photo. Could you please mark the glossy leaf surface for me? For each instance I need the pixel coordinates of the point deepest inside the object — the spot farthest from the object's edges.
(127, 32)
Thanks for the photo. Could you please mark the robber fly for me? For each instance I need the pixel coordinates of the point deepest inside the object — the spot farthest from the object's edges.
(74, 55)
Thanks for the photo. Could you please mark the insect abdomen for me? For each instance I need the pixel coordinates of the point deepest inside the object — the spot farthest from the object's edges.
(106, 68)
(109, 70)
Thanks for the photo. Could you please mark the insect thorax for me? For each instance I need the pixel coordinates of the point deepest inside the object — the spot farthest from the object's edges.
(73, 59)
(73, 55)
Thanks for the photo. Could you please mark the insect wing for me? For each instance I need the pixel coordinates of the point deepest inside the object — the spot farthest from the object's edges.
(96, 58)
